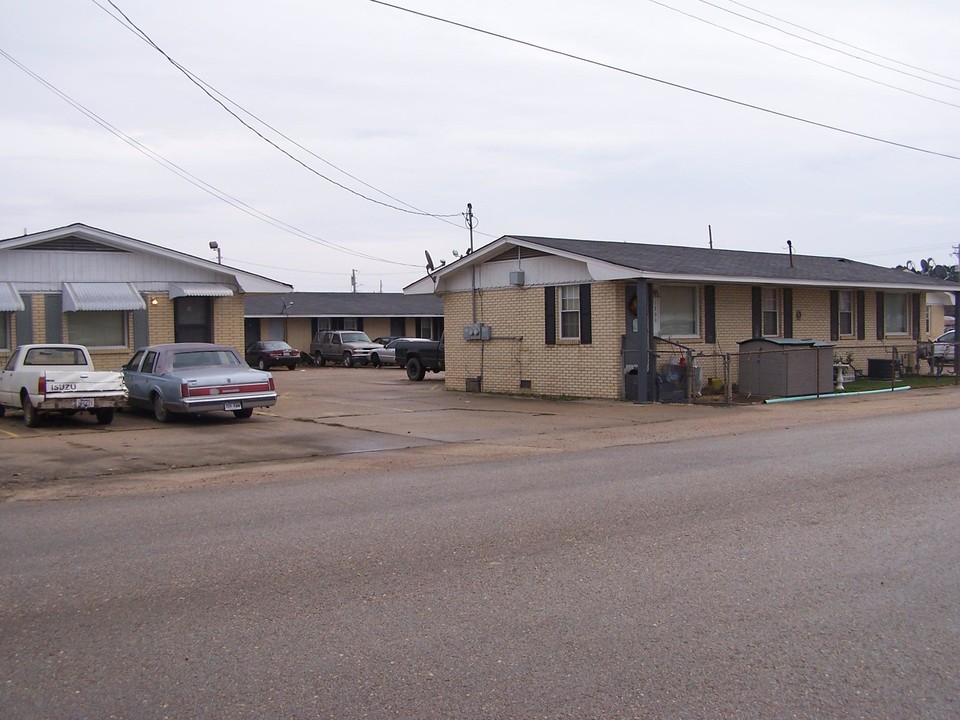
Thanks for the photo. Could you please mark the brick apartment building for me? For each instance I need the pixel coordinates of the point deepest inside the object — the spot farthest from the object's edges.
(113, 294)
(562, 317)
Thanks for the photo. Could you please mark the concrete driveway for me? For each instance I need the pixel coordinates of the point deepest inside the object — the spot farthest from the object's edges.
(339, 421)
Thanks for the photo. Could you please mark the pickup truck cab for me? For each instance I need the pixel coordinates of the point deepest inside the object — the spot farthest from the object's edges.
(419, 356)
(58, 378)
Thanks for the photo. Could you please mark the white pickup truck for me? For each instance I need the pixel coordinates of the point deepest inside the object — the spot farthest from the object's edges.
(58, 378)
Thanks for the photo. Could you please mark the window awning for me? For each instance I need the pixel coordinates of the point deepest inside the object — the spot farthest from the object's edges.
(10, 300)
(199, 290)
(939, 298)
(101, 296)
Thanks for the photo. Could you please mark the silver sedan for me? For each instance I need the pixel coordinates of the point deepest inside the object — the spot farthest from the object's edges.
(192, 378)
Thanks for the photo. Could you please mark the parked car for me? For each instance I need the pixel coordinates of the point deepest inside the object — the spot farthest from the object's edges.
(942, 352)
(387, 355)
(192, 378)
(349, 347)
(56, 378)
(419, 356)
(384, 340)
(264, 354)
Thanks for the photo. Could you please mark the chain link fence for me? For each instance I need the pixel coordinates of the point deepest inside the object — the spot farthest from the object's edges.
(797, 368)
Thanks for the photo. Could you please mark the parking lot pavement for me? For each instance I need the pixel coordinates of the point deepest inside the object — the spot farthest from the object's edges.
(335, 421)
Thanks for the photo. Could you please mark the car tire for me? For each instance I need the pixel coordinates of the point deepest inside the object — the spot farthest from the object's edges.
(104, 416)
(243, 414)
(262, 365)
(347, 360)
(291, 367)
(3, 411)
(160, 412)
(320, 359)
(375, 360)
(415, 369)
(31, 418)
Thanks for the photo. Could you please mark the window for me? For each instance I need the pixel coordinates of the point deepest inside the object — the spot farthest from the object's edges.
(98, 328)
(570, 312)
(845, 309)
(677, 311)
(771, 312)
(896, 314)
(4, 330)
(350, 323)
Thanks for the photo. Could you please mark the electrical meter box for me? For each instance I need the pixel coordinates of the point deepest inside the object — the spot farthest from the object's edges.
(477, 331)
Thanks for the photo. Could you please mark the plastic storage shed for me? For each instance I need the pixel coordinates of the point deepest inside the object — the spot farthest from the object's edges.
(784, 367)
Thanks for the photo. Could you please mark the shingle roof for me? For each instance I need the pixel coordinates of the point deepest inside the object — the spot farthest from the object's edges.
(734, 264)
(333, 304)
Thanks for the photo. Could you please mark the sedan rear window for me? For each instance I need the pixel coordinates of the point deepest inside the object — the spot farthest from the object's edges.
(204, 358)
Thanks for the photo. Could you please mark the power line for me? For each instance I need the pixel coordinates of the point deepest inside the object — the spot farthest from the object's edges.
(668, 83)
(802, 57)
(215, 95)
(841, 42)
(191, 178)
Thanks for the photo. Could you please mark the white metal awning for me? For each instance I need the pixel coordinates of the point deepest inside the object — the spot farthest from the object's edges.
(101, 296)
(10, 300)
(939, 298)
(199, 290)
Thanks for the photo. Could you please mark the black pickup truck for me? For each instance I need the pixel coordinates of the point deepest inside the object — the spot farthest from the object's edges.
(418, 356)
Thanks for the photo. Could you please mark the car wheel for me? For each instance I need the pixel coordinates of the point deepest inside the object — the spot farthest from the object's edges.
(375, 360)
(243, 414)
(104, 416)
(3, 411)
(320, 361)
(347, 360)
(291, 367)
(262, 364)
(160, 411)
(415, 369)
(31, 418)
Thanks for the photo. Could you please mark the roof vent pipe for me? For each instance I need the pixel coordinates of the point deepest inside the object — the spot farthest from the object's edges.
(790, 251)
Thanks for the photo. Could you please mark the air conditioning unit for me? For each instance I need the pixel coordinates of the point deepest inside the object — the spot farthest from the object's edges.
(517, 277)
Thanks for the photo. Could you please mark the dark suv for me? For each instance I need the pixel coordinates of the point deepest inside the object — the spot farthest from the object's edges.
(349, 347)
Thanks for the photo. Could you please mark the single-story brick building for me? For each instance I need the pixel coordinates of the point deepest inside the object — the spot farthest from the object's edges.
(113, 294)
(565, 317)
(297, 317)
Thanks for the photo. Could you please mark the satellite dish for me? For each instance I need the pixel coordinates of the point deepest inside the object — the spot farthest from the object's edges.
(456, 254)
(924, 265)
(940, 272)
(429, 261)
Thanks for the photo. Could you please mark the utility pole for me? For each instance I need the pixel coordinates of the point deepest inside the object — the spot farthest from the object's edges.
(471, 224)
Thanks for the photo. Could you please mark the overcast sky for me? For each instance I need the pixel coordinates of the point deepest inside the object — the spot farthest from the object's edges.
(417, 113)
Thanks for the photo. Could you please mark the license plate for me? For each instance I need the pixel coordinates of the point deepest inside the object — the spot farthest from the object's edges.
(233, 406)
(84, 402)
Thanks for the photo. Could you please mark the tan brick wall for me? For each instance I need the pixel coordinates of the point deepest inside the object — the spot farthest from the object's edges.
(575, 370)
(298, 333)
(228, 321)
(160, 319)
(562, 370)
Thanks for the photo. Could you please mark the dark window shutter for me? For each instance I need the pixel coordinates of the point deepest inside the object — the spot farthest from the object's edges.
(881, 331)
(916, 315)
(834, 315)
(757, 307)
(586, 322)
(861, 315)
(550, 315)
(710, 313)
(360, 324)
(788, 312)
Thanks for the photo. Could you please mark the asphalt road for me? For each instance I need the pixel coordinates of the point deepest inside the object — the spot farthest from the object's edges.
(804, 570)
